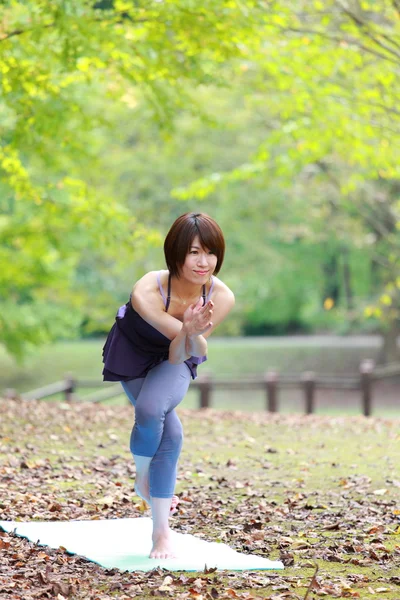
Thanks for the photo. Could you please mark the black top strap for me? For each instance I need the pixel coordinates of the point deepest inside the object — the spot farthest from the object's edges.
(169, 293)
(204, 294)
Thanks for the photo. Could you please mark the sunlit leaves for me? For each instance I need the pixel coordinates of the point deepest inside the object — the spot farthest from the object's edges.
(63, 65)
(324, 81)
(326, 78)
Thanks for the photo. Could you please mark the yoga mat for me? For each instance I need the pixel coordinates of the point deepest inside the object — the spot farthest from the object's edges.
(126, 544)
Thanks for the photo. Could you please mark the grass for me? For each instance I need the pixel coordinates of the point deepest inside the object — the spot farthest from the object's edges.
(226, 357)
(309, 490)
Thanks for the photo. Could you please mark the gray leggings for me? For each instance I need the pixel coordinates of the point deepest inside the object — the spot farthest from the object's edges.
(157, 432)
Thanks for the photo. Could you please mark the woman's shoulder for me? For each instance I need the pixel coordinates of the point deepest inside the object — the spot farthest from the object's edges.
(149, 280)
(222, 291)
(146, 288)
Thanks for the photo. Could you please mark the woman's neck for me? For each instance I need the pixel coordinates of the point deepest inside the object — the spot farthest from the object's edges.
(185, 290)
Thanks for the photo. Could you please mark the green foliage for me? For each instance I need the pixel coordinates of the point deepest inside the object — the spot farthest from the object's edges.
(64, 66)
(326, 79)
(281, 120)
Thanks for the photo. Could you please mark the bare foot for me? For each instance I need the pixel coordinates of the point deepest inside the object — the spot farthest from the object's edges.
(142, 490)
(162, 546)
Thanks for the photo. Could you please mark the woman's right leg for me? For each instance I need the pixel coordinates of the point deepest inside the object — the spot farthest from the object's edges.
(162, 476)
(162, 484)
(158, 431)
(163, 389)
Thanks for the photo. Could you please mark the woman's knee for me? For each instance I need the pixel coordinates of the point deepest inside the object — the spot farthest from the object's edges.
(177, 437)
(148, 414)
(174, 433)
(168, 383)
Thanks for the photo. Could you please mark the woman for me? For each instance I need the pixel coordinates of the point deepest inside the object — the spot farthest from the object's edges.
(158, 339)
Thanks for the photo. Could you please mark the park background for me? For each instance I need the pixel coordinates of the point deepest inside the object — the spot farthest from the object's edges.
(279, 120)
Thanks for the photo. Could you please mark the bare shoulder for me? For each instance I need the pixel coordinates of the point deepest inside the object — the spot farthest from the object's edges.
(222, 292)
(145, 291)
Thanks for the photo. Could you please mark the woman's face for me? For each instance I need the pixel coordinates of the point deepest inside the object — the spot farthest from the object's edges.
(199, 264)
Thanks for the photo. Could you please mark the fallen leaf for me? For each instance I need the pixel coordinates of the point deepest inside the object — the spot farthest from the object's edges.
(107, 500)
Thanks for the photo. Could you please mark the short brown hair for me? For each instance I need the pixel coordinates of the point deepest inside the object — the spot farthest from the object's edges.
(181, 235)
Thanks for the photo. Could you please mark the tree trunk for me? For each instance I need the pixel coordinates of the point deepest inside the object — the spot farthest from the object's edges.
(348, 292)
(390, 351)
(331, 279)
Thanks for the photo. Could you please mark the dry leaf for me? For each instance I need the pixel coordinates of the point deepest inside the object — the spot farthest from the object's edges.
(107, 500)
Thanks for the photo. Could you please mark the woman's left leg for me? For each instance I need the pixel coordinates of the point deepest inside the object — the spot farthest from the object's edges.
(132, 389)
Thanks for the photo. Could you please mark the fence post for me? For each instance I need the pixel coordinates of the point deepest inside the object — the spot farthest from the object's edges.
(70, 385)
(308, 379)
(366, 369)
(10, 394)
(271, 388)
(205, 386)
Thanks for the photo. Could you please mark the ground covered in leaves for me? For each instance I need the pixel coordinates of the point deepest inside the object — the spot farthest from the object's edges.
(320, 493)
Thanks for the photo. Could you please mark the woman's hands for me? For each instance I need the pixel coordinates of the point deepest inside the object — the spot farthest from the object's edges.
(196, 318)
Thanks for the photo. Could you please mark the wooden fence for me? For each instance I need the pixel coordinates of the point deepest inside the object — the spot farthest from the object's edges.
(271, 382)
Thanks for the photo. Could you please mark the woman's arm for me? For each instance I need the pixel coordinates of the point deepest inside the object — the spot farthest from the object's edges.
(224, 301)
(196, 321)
(185, 341)
(147, 302)
(196, 344)
(178, 349)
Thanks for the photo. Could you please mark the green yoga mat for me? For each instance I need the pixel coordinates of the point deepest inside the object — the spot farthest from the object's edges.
(126, 543)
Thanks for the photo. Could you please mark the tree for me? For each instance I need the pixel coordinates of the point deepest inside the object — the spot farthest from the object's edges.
(328, 73)
(275, 254)
(322, 79)
(64, 65)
